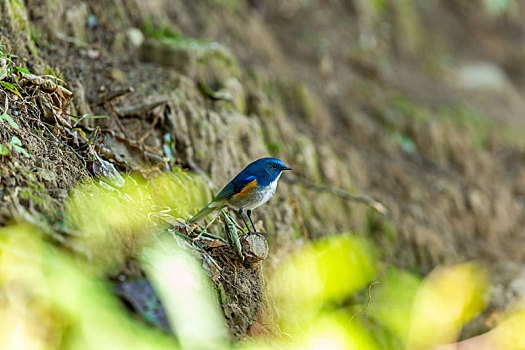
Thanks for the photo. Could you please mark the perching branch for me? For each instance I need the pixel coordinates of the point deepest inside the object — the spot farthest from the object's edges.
(338, 192)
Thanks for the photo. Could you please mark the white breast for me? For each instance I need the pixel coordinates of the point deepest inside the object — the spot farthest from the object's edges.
(265, 195)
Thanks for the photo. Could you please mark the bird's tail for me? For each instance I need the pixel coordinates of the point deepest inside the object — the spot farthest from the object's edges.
(206, 210)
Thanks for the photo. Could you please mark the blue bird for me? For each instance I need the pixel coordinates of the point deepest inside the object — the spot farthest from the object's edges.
(250, 189)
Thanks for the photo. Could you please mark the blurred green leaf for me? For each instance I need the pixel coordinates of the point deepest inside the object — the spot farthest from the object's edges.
(185, 292)
(393, 301)
(11, 88)
(52, 297)
(406, 144)
(321, 274)
(21, 150)
(16, 141)
(448, 298)
(10, 120)
(498, 7)
(23, 70)
(3, 150)
(17, 146)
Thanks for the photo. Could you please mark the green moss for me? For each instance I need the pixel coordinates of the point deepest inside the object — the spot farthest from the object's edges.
(274, 147)
(162, 30)
(390, 232)
(29, 195)
(221, 294)
(379, 5)
(306, 102)
(381, 230)
(204, 59)
(408, 26)
(476, 125)
(16, 18)
(37, 35)
(403, 107)
(232, 5)
(498, 7)
(19, 14)
(300, 101)
(514, 136)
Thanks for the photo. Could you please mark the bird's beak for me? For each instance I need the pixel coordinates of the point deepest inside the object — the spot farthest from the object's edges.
(286, 168)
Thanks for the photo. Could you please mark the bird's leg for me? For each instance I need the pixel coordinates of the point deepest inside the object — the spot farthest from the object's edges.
(249, 213)
(243, 220)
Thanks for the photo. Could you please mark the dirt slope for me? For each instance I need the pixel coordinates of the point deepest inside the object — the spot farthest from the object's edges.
(353, 98)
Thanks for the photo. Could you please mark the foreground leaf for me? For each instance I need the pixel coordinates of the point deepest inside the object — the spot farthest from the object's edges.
(10, 120)
(11, 88)
(4, 150)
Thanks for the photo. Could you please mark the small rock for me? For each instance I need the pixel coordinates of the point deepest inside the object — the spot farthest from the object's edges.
(93, 54)
(478, 202)
(254, 247)
(135, 37)
(482, 75)
(92, 21)
(118, 75)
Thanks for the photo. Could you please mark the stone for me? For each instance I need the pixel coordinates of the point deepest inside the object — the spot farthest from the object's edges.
(482, 76)
(254, 247)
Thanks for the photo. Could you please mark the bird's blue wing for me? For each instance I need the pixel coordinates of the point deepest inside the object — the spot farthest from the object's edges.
(235, 186)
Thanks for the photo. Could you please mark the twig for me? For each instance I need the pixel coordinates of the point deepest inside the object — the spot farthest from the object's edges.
(199, 246)
(147, 151)
(338, 192)
(114, 95)
(150, 130)
(140, 109)
(59, 143)
(367, 302)
(70, 40)
(210, 235)
(205, 228)
(117, 120)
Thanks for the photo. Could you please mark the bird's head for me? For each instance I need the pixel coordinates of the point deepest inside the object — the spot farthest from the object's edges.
(271, 167)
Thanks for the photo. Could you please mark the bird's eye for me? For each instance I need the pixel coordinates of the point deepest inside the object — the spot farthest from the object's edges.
(274, 166)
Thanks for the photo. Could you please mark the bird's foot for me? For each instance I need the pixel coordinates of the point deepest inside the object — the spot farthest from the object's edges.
(250, 232)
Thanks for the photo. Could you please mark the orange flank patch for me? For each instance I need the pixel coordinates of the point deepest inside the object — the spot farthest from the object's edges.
(247, 189)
